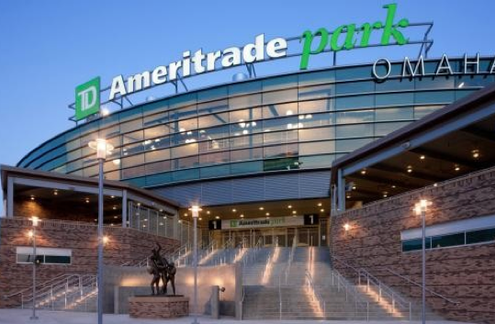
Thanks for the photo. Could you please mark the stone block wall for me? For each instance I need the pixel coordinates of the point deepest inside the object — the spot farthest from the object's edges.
(126, 245)
(465, 274)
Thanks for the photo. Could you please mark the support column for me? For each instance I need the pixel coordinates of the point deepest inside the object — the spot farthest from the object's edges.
(340, 191)
(10, 197)
(125, 216)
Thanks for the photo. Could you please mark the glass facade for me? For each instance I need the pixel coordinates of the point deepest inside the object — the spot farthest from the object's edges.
(282, 123)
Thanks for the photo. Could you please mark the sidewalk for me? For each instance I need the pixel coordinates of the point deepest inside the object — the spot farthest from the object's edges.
(21, 316)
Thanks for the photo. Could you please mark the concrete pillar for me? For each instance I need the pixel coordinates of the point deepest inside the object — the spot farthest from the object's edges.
(10, 197)
(215, 302)
(125, 216)
(341, 191)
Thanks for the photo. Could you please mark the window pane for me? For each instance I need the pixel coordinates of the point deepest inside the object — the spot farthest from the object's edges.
(213, 120)
(157, 131)
(133, 137)
(280, 150)
(133, 172)
(280, 110)
(317, 161)
(412, 245)
(185, 150)
(214, 133)
(246, 167)
(157, 155)
(158, 167)
(215, 171)
(421, 111)
(239, 116)
(214, 145)
(447, 240)
(57, 259)
(486, 235)
(314, 120)
(354, 102)
(316, 106)
(280, 96)
(352, 144)
(280, 123)
(394, 113)
(214, 158)
(188, 162)
(289, 163)
(156, 119)
(316, 77)
(316, 92)
(434, 97)
(317, 148)
(383, 129)
(213, 107)
(250, 154)
(131, 125)
(355, 87)
(354, 130)
(351, 117)
(132, 160)
(316, 134)
(393, 99)
(246, 141)
(279, 137)
(245, 101)
(184, 137)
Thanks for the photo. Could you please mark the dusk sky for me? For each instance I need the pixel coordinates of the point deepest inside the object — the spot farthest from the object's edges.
(47, 48)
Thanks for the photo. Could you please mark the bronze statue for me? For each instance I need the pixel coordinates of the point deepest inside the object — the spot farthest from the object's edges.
(160, 268)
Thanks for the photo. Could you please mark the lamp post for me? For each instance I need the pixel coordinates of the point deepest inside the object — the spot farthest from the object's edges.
(35, 221)
(102, 148)
(420, 209)
(195, 214)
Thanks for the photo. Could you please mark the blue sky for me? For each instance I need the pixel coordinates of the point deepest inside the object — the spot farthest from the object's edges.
(47, 48)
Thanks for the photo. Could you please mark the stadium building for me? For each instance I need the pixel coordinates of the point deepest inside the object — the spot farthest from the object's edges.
(284, 166)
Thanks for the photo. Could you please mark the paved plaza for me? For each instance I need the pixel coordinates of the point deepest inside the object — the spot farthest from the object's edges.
(18, 316)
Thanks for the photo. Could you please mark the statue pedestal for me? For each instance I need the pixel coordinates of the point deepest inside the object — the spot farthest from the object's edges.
(160, 306)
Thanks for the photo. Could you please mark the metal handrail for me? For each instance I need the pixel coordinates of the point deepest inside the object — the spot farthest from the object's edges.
(350, 290)
(419, 285)
(316, 293)
(382, 289)
(280, 296)
(40, 286)
(291, 258)
(241, 302)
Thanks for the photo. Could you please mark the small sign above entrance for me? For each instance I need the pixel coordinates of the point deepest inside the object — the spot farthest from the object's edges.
(261, 222)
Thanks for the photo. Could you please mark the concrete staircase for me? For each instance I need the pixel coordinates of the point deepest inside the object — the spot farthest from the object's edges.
(276, 286)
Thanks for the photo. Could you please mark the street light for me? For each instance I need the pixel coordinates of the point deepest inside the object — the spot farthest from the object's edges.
(195, 214)
(102, 148)
(32, 234)
(420, 209)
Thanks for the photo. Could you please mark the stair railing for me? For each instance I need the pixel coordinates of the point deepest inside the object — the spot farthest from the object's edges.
(280, 297)
(316, 293)
(397, 301)
(350, 291)
(291, 258)
(412, 282)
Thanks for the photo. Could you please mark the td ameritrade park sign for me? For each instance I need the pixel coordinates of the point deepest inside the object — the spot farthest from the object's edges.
(345, 37)
(262, 222)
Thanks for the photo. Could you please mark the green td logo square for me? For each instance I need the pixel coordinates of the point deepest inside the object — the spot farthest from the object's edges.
(88, 98)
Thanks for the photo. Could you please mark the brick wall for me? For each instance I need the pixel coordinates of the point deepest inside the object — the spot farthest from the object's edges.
(125, 245)
(465, 274)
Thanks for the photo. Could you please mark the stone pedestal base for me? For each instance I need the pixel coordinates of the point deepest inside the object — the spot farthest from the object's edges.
(158, 306)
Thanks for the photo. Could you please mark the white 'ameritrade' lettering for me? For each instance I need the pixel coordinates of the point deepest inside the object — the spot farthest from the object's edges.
(470, 65)
(198, 63)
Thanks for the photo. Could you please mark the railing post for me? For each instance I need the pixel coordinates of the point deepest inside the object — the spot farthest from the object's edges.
(380, 293)
(367, 311)
(367, 283)
(51, 297)
(410, 312)
(393, 305)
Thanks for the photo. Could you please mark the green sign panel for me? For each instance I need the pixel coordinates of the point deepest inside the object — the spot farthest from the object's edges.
(88, 98)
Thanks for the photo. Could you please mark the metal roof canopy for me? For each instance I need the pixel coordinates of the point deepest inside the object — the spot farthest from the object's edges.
(436, 148)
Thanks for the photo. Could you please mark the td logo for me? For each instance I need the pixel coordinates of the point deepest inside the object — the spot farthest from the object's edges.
(233, 223)
(88, 98)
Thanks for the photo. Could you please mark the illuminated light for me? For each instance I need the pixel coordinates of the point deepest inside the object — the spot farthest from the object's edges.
(253, 124)
(289, 126)
(161, 210)
(111, 224)
(301, 117)
(139, 204)
(96, 220)
(309, 116)
(294, 212)
(241, 216)
(35, 220)
(145, 219)
(242, 124)
(104, 111)
(269, 266)
(422, 157)
(182, 129)
(144, 226)
(421, 206)
(476, 153)
(234, 210)
(55, 192)
(208, 212)
(116, 162)
(385, 194)
(101, 147)
(267, 130)
(217, 217)
(115, 217)
(457, 168)
(200, 218)
(409, 169)
(106, 239)
(180, 221)
(189, 133)
(245, 132)
(237, 134)
(114, 207)
(112, 197)
(347, 227)
(267, 214)
(87, 200)
(262, 208)
(185, 214)
(289, 113)
(363, 171)
(320, 204)
(190, 140)
(461, 85)
(30, 234)
(164, 217)
(195, 209)
(393, 186)
(290, 206)
(153, 147)
(147, 142)
(435, 185)
(322, 210)
(300, 125)
(267, 217)
(161, 224)
(157, 140)
(354, 187)
(32, 197)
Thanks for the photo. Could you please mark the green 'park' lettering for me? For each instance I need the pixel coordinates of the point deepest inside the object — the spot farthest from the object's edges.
(390, 35)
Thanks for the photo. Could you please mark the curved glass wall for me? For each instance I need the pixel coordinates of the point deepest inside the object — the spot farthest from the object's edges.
(282, 123)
